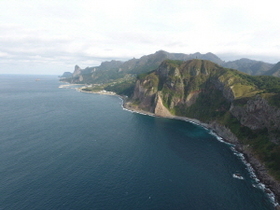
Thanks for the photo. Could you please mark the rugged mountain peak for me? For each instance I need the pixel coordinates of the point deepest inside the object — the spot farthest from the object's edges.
(77, 68)
(77, 71)
(195, 67)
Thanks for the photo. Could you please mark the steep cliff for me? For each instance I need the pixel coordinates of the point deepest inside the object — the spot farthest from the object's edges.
(241, 108)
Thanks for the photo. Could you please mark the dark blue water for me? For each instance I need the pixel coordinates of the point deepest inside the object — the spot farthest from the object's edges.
(62, 149)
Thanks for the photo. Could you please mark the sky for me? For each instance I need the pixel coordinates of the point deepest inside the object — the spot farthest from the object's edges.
(51, 37)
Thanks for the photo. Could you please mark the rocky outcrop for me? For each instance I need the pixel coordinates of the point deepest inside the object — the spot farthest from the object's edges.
(226, 89)
(258, 114)
(223, 132)
(77, 71)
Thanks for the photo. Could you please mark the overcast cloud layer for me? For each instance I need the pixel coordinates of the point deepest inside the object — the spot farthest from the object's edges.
(50, 37)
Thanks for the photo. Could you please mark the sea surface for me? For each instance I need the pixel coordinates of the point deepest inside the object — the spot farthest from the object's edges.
(63, 149)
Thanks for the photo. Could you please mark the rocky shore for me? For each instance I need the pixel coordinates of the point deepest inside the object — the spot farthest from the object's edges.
(270, 185)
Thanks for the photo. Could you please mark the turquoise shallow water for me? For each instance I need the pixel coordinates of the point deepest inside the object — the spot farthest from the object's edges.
(62, 149)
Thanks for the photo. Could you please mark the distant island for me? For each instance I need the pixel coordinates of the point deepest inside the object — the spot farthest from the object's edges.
(226, 97)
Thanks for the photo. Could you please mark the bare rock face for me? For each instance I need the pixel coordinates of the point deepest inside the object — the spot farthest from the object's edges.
(224, 132)
(160, 109)
(227, 91)
(81, 78)
(258, 114)
(77, 71)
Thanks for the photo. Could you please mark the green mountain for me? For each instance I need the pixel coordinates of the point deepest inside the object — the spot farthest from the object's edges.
(236, 105)
(111, 70)
(275, 71)
(248, 66)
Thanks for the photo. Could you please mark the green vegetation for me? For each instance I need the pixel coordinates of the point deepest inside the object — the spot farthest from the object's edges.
(272, 98)
(257, 140)
(209, 105)
(143, 75)
(122, 88)
(267, 86)
(174, 63)
(265, 83)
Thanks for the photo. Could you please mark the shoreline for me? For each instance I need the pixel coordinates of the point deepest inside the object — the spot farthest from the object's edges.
(257, 170)
(102, 92)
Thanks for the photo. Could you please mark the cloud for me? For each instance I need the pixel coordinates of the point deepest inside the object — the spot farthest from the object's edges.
(81, 32)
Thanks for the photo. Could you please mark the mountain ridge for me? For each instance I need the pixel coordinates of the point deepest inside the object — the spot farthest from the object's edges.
(110, 70)
(274, 71)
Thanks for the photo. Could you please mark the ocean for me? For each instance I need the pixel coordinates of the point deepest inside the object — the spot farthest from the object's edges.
(63, 149)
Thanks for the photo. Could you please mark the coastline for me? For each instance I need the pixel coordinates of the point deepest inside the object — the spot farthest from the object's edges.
(102, 92)
(256, 169)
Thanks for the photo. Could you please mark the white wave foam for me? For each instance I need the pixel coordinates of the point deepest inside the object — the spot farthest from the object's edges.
(195, 123)
(258, 183)
(133, 111)
(238, 176)
(220, 139)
